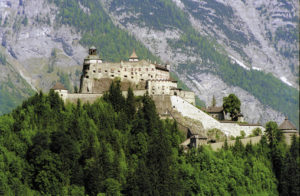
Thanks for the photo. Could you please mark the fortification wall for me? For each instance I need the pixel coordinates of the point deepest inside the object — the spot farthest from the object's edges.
(189, 96)
(163, 104)
(245, 141)
(189, 110)
(91, 98)
(84, 98)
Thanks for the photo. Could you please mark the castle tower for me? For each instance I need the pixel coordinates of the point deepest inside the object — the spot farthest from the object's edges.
(89, 69)
(93, 50)
(288, 130)
(133, 56)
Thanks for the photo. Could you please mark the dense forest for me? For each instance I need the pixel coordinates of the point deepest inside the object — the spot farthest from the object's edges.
(119, 145)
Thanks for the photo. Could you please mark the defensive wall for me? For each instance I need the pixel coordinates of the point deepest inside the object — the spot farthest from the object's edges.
(89, 97)
(230, 129)
(245, 141)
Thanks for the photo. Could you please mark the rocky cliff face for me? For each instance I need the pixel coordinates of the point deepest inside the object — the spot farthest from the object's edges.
(31, 36)
(251, 33)
(257, 35)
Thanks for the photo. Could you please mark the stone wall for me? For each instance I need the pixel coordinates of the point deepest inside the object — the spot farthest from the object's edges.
(245, 141)
(84, 98)
(160, 87)
(133, 71)
(188, 110)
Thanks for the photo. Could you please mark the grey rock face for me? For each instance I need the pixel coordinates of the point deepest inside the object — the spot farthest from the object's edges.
(31, 42)
(241, 28)
(254, 32)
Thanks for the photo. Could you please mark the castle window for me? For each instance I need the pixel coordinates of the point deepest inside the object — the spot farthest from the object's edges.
(132, 77)
(105, 70)
(124, 69)
(152, 69)
(94, 71)
(125, 76)
(112, 76)
(142, 79)
(61, 94)
(141, 74)
(118, 70)
(86, 76)
(139, 69)
(131, 73)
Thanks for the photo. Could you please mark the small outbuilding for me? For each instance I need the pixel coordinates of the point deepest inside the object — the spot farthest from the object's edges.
(215, 112)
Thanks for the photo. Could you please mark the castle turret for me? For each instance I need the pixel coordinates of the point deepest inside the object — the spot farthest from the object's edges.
(89, 68)
(288, 130)
(133, 56)
(61, 90)
(93, 50)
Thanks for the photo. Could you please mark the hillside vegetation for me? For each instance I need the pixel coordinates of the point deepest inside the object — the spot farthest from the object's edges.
(120, 146)
(97, 29)
(165, 14)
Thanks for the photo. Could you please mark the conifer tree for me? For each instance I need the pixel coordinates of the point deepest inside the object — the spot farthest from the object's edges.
(130, 104)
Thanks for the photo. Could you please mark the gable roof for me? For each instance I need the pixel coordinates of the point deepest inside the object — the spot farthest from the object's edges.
(287, 125)
(58, 86)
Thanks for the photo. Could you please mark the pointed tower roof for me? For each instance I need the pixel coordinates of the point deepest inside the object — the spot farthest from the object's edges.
(58, 86)
(133, 55)
(287, 125)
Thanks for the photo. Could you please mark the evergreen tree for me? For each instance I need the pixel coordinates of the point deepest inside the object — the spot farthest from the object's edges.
(213, 102)
(130, 104)
(232, 105)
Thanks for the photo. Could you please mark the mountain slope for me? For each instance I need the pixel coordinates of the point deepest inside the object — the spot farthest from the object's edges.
(175, 38)
(208, 42)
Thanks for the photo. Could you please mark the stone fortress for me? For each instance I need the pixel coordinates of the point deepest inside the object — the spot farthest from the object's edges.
(144, 76)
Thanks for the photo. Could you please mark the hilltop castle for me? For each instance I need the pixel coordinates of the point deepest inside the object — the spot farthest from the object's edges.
(141, 75)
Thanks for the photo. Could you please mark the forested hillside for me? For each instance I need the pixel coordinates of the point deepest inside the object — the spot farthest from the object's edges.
(120, 146)
(46, 41)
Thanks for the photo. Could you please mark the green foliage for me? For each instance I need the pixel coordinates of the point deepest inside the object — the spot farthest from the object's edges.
(232, 105)
(256, 132)
(216, 134)
(51, 148)
(11, 95)
(63, 78)
(97, 29)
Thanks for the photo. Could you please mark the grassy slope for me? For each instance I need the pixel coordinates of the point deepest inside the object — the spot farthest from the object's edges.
(13, 90)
